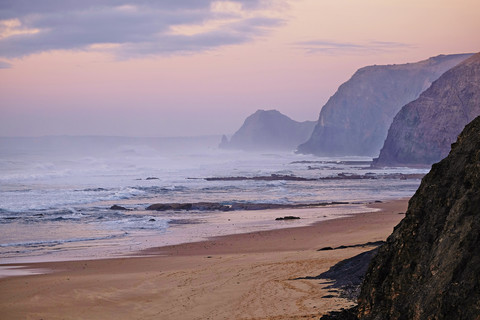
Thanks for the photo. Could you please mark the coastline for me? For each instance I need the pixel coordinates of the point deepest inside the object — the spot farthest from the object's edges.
(241, 276)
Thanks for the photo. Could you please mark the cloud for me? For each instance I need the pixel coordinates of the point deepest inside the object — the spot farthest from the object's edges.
(129, 28)
(5, 65)
(345, 48)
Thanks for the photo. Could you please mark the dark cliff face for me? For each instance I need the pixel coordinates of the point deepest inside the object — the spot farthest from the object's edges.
(355, 120)
(430, 266)
(269, 130)
(422, 131)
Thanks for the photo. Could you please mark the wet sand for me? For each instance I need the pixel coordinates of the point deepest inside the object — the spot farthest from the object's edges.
(243, 276)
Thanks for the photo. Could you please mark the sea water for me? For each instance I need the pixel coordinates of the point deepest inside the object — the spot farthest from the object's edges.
(56, 193)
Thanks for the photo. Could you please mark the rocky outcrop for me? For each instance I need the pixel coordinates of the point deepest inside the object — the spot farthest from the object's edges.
(338, 176)
(421, 133)
(430, 266)
(234, 206)
(272, 177)
(355, 120)
(117, 207)
(269, 130)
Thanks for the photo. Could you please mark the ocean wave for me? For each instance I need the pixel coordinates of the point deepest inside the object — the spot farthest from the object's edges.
(93, 190)
(277, 183)
(161, 189)
(51, 243)
(223, 188)
(127, 193)
(131, 223)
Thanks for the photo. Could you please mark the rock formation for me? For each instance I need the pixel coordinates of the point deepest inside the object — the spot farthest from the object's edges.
(421, 133)
(355, 120)
(269, 130)
(430, 266)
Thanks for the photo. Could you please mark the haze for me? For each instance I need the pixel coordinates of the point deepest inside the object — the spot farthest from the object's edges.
(199, 67)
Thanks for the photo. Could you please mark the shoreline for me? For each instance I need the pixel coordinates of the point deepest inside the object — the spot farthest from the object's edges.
(236, 276)
(267, 240)
(197, 227)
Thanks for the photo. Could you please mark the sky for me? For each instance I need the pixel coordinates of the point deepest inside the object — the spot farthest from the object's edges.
(200, 67)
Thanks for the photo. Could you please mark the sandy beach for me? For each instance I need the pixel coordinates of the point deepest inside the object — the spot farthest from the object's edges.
(243, 276)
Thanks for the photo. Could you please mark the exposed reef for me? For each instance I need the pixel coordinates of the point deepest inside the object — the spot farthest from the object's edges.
(339, 176)
(235, 206)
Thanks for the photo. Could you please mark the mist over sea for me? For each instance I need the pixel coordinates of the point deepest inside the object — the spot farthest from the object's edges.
(56, 193)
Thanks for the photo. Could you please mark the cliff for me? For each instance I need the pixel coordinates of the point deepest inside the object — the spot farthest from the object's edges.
(430, 266)
(269, 130)
(422, 131)
(355, 120)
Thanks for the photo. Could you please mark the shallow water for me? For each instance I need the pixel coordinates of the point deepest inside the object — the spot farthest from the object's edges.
(55, 193)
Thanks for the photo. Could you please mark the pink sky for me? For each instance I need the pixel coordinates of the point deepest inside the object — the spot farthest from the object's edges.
(202, 66)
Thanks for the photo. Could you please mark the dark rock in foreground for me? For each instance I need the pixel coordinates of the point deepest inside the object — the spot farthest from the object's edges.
(355, 120)
(430, 266)
(423, 130)
(348, 274)
(344, 314)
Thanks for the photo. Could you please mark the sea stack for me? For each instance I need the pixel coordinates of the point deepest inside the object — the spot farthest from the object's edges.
(423, 130)
(355, 120)
(430, 266)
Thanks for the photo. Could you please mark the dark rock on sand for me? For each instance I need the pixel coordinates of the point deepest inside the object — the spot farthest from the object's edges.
(325, 249)
(362, 245)
(287, 218)
(430, 266)
(347, 275)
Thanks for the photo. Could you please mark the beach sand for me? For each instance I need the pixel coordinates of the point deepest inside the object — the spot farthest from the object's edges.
(244, 276)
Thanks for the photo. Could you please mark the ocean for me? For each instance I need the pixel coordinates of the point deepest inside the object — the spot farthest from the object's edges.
(56, 193)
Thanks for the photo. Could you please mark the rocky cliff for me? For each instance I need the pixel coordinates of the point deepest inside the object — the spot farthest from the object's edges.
(430, 266)
(422, 131)
(269, 130)
(355, 120)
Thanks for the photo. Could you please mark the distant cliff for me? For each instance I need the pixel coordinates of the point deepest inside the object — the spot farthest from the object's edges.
(269, 130)
(430, 266)
(421, 133)
(355, 120)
